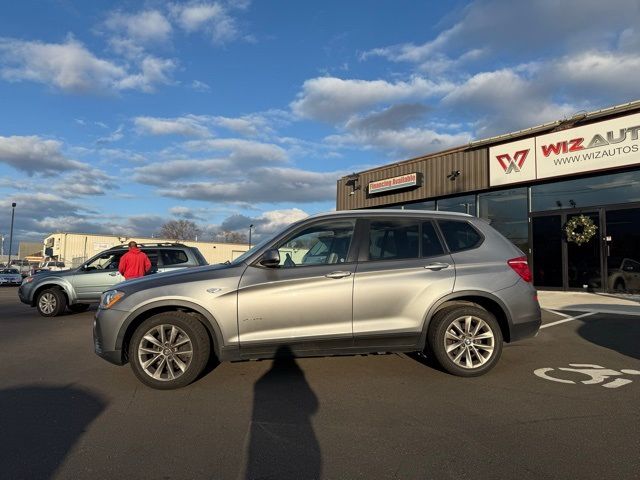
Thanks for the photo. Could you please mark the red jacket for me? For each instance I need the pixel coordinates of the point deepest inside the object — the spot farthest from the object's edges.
(134, 264)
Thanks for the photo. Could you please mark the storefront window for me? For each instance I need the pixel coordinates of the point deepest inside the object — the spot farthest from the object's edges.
(506, 211)
(462, 204)
(429, 205)
(586, 192)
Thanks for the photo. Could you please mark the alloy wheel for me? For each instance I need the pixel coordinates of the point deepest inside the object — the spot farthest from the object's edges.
(469, 342)
(47, 303)
(165, 352)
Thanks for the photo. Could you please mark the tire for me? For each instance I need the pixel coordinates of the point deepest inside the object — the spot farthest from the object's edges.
(478, 350)
(155, 366)
(79, 307)
(51, 302)
(619, 286)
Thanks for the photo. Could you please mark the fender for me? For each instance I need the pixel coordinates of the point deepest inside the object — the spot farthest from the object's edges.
(54, 281)
(211, 324)
(457, 295)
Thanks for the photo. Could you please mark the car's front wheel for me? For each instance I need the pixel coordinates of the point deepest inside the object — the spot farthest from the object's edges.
(169, 350)
(466, 340)
(51, 302)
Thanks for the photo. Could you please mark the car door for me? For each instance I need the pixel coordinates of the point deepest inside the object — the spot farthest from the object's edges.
(96, 276)
(402, 269)
(306, 301)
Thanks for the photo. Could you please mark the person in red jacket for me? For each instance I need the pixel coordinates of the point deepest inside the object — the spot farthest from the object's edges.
(134, 263)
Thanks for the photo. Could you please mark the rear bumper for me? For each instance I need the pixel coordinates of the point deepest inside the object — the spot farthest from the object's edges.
(525, 316)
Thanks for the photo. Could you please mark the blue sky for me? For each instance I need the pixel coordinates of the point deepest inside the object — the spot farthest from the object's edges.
(118, 116)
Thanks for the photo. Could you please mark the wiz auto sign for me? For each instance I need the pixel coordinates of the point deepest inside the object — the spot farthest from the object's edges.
(614, 143)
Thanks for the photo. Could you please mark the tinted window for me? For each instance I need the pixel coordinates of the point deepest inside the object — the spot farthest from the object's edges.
(459, 235)
(430, 242)
(393, 240)
(172, 257)
(325, 243)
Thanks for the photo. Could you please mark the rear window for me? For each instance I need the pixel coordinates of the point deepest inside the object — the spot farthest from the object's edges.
(173, 257)
(459, 235)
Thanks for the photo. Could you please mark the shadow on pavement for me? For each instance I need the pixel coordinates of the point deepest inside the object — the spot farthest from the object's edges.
(283, 444)
(619, 333)
(40, 425)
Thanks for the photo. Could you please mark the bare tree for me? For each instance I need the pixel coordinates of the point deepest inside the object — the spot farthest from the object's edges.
(180, 230)
(230, 237)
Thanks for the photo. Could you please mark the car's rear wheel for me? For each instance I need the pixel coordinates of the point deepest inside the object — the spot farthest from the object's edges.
(51, 302)
(79, 307)
(619, 286)
(169, 350)
(465, 341)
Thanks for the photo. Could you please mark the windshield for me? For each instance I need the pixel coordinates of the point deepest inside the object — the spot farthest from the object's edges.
(9, 271)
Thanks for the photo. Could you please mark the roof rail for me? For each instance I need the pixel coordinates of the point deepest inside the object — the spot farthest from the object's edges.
(160, 244)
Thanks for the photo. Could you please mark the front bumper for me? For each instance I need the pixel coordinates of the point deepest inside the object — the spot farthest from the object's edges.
(23, 294)
(106, 326)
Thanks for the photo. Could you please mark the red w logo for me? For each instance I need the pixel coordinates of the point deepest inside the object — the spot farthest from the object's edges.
(509, 164)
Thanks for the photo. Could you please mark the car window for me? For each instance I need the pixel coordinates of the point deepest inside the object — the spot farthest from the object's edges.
(172, 257)
(325, 243)
(431, 245)
(59, 264)
(393, 240)
(106, 261)
(459, 235)
(10, 271)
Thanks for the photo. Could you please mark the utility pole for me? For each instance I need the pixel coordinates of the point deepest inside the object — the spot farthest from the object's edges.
(13, 211)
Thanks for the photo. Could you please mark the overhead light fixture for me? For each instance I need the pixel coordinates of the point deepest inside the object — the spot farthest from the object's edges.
(352, 181)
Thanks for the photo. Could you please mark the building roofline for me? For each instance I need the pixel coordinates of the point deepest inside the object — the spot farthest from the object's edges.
(580, 116)
(158, 240)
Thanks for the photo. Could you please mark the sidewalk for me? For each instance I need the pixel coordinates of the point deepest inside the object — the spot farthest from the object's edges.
(590, 302)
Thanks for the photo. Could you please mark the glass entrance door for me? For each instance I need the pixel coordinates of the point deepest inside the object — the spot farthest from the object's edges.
(584, 261)
(622, 250)
(558, 264)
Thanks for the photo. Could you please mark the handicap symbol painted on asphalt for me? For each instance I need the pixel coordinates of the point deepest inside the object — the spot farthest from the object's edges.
(596, 374)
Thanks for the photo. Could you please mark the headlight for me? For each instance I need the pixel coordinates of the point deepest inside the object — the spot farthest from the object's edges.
(110, 298)
(27, 280)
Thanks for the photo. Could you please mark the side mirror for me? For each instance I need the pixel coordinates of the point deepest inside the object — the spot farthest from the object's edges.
(270, 258)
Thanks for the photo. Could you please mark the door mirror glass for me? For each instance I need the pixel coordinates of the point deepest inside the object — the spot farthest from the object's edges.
(270, 258)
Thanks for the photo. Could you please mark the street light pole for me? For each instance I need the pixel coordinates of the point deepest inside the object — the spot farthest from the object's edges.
(250, 227)
(13, 211)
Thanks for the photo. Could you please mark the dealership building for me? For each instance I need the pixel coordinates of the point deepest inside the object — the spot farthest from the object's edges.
(567, 193)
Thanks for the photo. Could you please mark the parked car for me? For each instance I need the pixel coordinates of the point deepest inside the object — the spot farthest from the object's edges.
(51, 292)
(52, 265)
(407, 281)
(10, 276)
(23, 266)
(624, 275)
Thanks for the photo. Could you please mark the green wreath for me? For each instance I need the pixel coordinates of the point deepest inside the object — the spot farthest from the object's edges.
(580, 229)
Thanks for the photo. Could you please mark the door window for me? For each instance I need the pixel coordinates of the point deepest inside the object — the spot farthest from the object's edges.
(106, 261)
(320, 244)
(393, 240)
(431, 245)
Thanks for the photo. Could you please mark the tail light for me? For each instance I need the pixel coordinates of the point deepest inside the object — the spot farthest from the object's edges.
(521, 267)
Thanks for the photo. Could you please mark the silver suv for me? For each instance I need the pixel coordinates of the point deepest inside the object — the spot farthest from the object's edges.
(53, 291)
(339, 283)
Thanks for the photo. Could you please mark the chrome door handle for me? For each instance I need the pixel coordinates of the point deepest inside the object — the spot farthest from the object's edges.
(337, 274)
(113, 274)
(437, 266)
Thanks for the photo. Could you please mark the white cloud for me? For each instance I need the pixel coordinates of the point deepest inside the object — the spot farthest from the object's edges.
(199, 86)
(334, 99)
(149, 26)
(213, 18)
(264, 224)
(240, 151)
(36, 155)
(114, 136)
(189, 126)
(71, 68)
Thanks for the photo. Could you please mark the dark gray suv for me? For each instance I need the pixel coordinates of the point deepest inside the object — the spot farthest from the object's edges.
(347, 282)
(51, 292)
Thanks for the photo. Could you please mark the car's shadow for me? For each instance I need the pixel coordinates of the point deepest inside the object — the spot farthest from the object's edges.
(619, 333)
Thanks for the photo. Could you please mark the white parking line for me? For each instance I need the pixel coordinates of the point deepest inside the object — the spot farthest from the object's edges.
(568, 319)
(557, 313)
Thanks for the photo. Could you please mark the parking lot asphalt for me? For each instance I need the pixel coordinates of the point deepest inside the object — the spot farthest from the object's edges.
(65, 413)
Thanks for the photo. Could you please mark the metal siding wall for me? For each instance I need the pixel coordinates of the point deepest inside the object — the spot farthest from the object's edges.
(474, 176)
